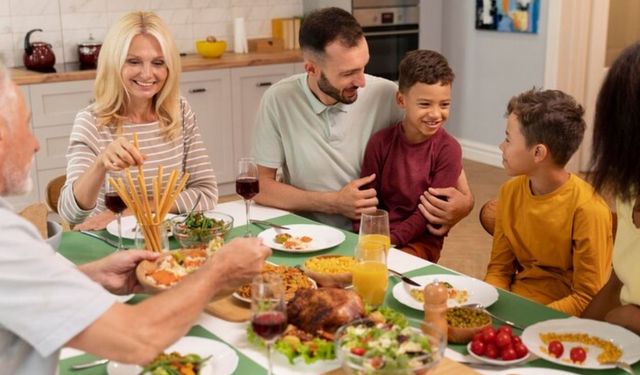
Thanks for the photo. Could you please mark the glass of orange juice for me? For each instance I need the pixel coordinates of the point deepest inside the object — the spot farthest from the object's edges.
(374, 227)
(370, 277)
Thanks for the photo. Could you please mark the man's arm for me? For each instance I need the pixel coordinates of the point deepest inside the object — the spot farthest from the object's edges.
(349, 201)
(445, 213)
(136, 334)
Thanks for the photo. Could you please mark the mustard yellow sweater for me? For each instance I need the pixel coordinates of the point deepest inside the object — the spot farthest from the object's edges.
(560, 241)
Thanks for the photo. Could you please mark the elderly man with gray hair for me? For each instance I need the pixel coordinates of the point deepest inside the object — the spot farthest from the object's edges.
(46, 303)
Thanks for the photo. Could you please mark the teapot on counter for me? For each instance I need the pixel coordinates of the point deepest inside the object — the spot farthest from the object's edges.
(38, 55)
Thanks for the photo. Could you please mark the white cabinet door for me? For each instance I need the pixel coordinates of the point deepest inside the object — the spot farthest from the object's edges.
(55, 104)
(247, 86)
(21, 201)
(209, 94)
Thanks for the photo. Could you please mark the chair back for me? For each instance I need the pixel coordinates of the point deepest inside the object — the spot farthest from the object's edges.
(488, 215)
(53, 192)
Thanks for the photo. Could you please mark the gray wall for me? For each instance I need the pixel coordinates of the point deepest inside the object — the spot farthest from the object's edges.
(490, 68)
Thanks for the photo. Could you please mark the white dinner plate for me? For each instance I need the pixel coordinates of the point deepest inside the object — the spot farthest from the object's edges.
(478, 291)
(533, 371)
(236, 295)
(323, 237)
(129, 225)
(223, 361)
(626, 340)
(497, 362)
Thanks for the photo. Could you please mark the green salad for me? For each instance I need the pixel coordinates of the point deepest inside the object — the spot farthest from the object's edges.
(175, 364)
(200, 226)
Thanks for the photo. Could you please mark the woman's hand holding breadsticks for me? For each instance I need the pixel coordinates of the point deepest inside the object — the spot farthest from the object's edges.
(120, 154)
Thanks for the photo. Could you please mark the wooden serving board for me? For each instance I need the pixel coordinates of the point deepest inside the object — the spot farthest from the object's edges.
(446, 366)
(229, 309)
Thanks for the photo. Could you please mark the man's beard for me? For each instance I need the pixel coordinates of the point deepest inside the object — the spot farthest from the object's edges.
(16, 181)
(326, 87)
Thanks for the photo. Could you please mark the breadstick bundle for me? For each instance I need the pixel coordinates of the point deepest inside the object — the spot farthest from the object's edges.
(149, 213)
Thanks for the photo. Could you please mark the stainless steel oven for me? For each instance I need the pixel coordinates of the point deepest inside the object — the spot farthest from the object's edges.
(391, 28)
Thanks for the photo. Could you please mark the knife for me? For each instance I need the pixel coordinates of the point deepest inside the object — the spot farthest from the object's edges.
(101, 238)
(404, 278)
(268, 223)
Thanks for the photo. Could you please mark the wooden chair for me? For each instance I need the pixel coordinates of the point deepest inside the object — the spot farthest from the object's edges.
(488, 218)
(53, 192)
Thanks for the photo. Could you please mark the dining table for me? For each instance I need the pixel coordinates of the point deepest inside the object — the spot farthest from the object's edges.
(80, 249)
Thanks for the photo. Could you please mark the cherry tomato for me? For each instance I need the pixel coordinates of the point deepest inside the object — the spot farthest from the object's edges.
(478, 337)
(578, 354)
(516, 340)
(489, 335)
(521, 349)
(376, 362)
(506, 329)
(503, 339)
(555, 348)
(508, 354)
(491, 351)
(358, 351)
(478, 347)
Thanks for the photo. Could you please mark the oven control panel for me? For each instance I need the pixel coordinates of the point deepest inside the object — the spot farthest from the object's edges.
(387, 16)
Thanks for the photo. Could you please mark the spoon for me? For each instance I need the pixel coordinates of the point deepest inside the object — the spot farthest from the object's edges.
(624, 366)
(481, 307)
(195, 205)
(95, 363)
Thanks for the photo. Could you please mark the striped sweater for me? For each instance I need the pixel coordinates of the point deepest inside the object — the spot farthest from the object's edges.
(185, 153)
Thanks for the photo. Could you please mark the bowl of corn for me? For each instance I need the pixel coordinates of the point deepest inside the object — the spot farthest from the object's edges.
(330, 270)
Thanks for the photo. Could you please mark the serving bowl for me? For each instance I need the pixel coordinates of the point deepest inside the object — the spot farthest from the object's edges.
(211, 49)
(406, 350)
(166, 271)
(464, 322)
(54, 232)
(191, 230)
(330, 270)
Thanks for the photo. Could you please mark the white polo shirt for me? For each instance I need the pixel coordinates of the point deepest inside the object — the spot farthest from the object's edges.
(319, 147)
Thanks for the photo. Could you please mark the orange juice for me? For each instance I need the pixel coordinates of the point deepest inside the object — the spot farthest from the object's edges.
(367, 241)
(370, 281)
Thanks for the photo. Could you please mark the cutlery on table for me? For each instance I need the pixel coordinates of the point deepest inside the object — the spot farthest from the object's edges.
(267, 223)
(404, 278)
(95, 363)
(505, 321)
(101, 238)
(624, 366)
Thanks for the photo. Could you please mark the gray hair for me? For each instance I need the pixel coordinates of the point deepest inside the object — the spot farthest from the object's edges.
(8, 96)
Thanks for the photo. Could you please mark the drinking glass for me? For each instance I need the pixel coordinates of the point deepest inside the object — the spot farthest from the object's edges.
(374, 227)
(115, 204)
(247, 185)
(370, 275)
(140, 241)
(269, 310)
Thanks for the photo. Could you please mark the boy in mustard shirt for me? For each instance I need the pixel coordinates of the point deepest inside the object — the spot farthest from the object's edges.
(552, 241)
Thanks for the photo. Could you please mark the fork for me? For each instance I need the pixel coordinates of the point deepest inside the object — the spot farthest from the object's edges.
(624, 366)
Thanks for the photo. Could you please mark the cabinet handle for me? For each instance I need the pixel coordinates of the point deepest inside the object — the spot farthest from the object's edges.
(264, 84)
(92, 100)
(195, 91)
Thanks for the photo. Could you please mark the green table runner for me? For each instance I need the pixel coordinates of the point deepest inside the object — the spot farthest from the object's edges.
(245, 364)
(80, 249)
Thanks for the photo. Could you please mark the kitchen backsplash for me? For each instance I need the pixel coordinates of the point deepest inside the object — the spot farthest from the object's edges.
(68, 22)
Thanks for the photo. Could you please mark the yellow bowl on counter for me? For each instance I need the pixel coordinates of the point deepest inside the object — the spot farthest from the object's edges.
(211, 49)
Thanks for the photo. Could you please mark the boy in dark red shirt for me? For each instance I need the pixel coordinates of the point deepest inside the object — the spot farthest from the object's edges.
(415, 154)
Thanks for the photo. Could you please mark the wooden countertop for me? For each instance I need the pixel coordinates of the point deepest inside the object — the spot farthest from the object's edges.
(191, 62)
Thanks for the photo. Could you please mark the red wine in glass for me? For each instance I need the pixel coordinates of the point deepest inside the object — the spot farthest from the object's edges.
(269, 325)
(113, 202)
(247, 187)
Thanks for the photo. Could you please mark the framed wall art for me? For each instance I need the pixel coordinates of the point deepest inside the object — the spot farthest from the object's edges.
(516, 16)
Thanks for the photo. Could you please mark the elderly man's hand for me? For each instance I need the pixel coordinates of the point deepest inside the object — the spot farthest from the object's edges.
(353, 202)
(444, 207)
(116, 272)
(239, 260)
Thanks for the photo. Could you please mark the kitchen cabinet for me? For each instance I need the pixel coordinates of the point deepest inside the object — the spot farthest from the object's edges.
(247, 87)
(209, 94)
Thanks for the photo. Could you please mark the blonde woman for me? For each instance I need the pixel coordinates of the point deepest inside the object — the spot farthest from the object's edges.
(136, 91)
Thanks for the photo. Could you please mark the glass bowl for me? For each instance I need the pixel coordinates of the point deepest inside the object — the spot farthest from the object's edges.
(196, 232)
(365, 347)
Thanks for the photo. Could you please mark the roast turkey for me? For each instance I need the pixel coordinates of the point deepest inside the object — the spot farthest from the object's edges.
(322, 311)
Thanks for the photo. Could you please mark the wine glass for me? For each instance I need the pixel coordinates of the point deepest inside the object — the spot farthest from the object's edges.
(115, 204)
(374, 227)
(370, 274)
(269, 309)
(247, 185)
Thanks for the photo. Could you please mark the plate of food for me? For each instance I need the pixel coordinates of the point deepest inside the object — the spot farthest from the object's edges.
(463, 290)
(200, 355)
(293, 278)
(582, 343)
(302, 238)
(166, 271)
(129, 226)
